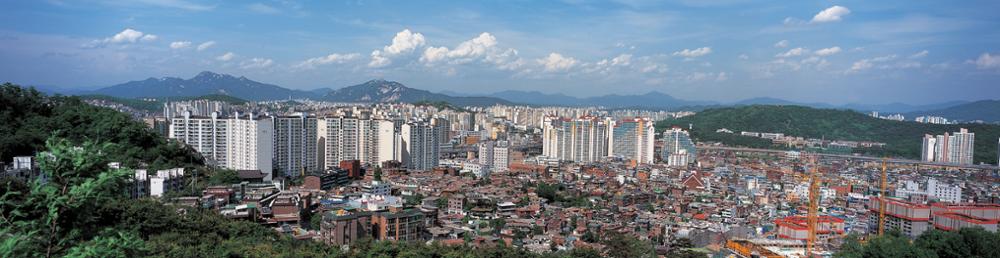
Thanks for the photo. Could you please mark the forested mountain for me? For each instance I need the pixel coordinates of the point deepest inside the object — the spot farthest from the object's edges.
(205, 83)
(985, 110)
(903, 139)
(390, 91)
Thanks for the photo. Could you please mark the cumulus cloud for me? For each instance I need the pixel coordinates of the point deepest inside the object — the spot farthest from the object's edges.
(180, 44)
(692, 53)
(226, 57)
(335, 58)
(465, 52)
(793, 52)
(832, 14)
(205, 45)
(128, 35)
(827, 51)
(781, 44)
(404, 42)
(556, 62)
(920, 54)
(256, 62)
(987, 61)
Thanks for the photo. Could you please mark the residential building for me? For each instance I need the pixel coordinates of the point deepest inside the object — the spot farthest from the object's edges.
(419, 147)
(933, 190)
(494, 155)
(398, 225)
(583, 139)
(295, 150)
(678, 149)
(250, 140)
(632, 139)
(949, 148)
(338, 139)
(206, 134)
(909, 218)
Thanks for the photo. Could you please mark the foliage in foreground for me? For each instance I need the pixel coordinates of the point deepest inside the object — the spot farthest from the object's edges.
(967, 242)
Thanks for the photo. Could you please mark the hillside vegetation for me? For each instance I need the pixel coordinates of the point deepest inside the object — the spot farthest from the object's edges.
(903, 139)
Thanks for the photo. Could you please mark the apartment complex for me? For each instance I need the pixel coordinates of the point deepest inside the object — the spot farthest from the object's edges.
(494, 155)
(583, 139)
(206, 134)
(632, 139)
(949, 148)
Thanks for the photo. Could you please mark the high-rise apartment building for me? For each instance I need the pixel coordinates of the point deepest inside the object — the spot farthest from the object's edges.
(632, 139)
(494, 155)
(949, 148)
(295, 150)
(419, 145)
(250, 140)
(678, 149)
(377, 140)
(583, 139)
(206, 134)
(338, 140)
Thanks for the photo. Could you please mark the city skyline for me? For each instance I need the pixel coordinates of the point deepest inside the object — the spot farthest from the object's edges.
(833, 52)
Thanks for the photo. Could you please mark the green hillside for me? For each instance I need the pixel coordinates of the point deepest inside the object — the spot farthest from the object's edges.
(157, 104)
(903, 139)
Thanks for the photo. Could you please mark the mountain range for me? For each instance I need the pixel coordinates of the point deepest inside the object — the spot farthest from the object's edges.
(209, 83)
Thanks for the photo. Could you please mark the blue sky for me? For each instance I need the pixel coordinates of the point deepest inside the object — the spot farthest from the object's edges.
(816, 51)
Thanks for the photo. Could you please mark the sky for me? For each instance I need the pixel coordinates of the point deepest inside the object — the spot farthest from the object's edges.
(838, 52)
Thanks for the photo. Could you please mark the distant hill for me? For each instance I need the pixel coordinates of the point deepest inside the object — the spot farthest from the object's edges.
(903, 139)
(205, 83)
(986, 110)
(390, 91)
(648, 100)
(156, 104)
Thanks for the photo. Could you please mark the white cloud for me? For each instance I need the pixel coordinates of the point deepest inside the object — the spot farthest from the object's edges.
(793, 52)
(743, 57)
(556, 62)
(404, 42)
(920, 54)
(722, 77)
(465, 52)
(226, 57)
(180, 4)
(865, 64)
(781, 44)
(827, 51)
(793, 21)
(263, 8)
(256, 62)
(689, 53)
(128, 35)
(987, 61)
(329, 59)
(180, 44)
(831, 14)
(206, 45)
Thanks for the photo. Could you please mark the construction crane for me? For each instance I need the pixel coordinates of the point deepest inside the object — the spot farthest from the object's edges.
(812, 216)
(882, 195)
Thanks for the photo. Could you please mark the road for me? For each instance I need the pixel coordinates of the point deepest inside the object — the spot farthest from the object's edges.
(891, 160)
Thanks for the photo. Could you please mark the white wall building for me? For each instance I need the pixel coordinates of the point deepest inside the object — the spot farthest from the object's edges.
(295, 150)
(206, 134)
(250, 142)
(419, 147)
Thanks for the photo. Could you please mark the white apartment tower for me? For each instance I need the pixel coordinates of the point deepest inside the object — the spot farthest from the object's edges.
(295, 150)
(251, 144)
(206, 134)
(949, 148)
(633, 139)
(378, 141)
(495, 155)
(583, 139)
(338, 140)
(419, 145)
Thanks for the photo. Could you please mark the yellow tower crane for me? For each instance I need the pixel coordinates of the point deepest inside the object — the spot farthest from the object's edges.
(882, 196)
(813, 216)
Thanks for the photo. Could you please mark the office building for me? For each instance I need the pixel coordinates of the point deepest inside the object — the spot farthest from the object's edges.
(295, 150)
(250, 142)
(419, 146)
(583, 139)
(206, 134)
(632, 139)
(678, 149)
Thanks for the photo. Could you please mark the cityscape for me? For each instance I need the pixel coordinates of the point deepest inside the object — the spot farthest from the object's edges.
(191, 143)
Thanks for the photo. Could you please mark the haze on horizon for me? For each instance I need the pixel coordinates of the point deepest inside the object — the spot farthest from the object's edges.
(916, 52)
